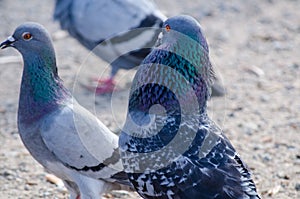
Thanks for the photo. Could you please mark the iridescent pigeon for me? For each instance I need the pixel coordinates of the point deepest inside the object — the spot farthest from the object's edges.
(169, 146)
(121, 32)
(60, 134)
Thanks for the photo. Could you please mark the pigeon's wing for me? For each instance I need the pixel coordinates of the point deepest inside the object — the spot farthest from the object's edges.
(205, 178)
(216, 171)
(98, 20)
(94, 22)
(210, 168)
(81, 142)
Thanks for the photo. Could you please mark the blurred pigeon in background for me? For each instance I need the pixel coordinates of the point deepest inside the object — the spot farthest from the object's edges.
(60, 134)
(124, 31)
(169, 146)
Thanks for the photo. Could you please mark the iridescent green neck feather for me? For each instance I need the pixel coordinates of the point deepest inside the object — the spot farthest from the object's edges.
(41, 89)
(183, 67)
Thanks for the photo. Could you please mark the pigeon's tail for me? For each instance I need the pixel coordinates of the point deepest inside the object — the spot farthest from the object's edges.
(122, 178)
(119, 181)
(246, 181)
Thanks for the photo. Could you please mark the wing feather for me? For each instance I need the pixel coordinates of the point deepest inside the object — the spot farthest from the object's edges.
(79, 140)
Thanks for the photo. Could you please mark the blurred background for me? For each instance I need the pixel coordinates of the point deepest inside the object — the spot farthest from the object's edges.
(254, 47)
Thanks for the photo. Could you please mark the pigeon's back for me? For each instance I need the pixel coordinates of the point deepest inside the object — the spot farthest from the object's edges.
(93, 21)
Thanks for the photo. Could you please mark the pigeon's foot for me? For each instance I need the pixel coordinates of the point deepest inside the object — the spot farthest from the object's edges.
(104, 86)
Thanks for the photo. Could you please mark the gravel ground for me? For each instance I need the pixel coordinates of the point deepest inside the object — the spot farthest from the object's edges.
(254, 46)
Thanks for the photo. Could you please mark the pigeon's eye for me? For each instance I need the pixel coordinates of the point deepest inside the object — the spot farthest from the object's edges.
(26, 36)
(168, 28)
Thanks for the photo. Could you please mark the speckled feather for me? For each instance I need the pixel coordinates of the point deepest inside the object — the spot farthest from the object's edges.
(178, 152)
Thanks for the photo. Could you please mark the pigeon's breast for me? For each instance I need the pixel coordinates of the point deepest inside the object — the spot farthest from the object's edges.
(31, 138)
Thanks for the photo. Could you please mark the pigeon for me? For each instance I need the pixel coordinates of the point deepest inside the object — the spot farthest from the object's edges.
(60, 134)
(121, 32)
(169, 146)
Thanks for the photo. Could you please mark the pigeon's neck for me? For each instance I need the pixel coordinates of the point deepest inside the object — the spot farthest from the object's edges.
(171, 86)
(167, 71)
(41, 89)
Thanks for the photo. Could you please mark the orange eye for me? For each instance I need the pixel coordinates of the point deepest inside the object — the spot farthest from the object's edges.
(27, 36)
(168, 28)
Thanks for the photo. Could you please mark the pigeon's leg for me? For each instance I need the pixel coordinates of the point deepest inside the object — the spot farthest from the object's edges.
(73, 189)
(108, 85)
(105, 81)
(105, 86)
(91, 188)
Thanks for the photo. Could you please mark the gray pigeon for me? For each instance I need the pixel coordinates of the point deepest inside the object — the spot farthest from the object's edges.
(170, 148)
(60, 134)
(124, 31)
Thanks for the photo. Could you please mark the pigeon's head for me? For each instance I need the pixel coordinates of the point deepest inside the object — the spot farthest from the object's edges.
(29, 37)
(34, 43)
(175, 28)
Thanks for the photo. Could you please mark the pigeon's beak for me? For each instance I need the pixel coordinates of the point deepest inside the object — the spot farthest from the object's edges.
(8, 42)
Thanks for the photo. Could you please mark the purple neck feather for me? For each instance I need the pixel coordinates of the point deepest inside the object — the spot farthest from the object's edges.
(41, 90)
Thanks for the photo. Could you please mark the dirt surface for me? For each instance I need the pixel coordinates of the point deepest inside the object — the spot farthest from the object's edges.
(254, 45)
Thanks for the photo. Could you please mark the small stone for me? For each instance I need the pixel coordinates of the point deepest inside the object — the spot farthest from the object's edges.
(267, 157)
(267, 139)
(280, 46)
(23, 167)
(54, 180)
(30, 183)
(264, 98)
(274, 190)
(27, 187)
(283, 176)
(43, 193)
(255, 70)
(9, 175)
(249, 127)
(120, 194)
(108, 195)
(231, 114)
